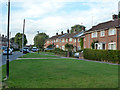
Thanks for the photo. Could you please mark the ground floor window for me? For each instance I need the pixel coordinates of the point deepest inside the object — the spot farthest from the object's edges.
(112, 46)
(100, 46)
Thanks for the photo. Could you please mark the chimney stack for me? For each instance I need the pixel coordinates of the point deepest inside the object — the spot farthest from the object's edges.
(57, 34)
(2, 36)
(83, 28)
(68, 31)
(62, 32)
(115, 17)
(75, 30)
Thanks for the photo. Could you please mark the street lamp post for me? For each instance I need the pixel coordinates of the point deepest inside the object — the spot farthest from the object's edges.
(23, 35)
(7, 61)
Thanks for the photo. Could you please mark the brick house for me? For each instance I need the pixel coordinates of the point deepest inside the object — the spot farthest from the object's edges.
(106, 35)
(61, 40)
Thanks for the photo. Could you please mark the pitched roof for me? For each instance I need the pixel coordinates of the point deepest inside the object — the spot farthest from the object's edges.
(105, 25)
(69, 35)
(54, 37)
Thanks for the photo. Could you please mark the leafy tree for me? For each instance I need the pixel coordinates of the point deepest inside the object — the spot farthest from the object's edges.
(77, 28)
(39, 40)
(69, 47)
(18, 39)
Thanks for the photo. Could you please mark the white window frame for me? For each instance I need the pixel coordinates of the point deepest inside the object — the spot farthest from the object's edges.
(63, 40)
(78, 39)
(66, 40)
(57, 46)
(94, 35)
(74, 40)
(102, 33)
(70, 39)
(109, 46)
(112, 32)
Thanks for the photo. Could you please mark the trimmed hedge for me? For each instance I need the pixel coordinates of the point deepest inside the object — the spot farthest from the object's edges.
(102, 55)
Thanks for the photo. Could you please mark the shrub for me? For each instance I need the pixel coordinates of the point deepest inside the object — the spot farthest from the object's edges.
(102, 55)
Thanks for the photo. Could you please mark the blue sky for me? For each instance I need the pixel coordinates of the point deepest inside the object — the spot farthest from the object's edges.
(52, 16)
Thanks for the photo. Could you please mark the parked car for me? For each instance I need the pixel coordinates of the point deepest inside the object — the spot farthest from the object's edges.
(34, 49)
(78, 54)
(5, 52)
(49, 49)
(26, 50)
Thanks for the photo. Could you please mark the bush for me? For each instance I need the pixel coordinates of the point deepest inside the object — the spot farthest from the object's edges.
(102, 55)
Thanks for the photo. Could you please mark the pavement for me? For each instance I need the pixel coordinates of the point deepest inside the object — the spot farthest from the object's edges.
(12, 57)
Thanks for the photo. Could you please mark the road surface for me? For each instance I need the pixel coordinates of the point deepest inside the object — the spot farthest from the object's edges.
(12, 57)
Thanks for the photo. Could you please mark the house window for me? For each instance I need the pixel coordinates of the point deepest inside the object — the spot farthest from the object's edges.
(57, 46)
(112, 31)
(112, 46)
(74, 40)
(78, 39)
(70, 39)
(66, 40)
(94, 35)
(63, 47)
(54, 40)
(63, 40)
(57, 40)
(102, 33)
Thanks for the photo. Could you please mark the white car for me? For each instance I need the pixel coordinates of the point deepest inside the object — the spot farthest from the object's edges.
(5, 52)
(76, 55)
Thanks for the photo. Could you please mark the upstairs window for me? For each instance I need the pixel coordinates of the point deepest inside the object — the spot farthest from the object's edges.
(63, 40)
(102, 33)
(66, 40)
(94, 35)
(112, 31)
(70, 39)
(74, 40)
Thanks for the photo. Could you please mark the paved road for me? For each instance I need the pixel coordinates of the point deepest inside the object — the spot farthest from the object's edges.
(12, 57)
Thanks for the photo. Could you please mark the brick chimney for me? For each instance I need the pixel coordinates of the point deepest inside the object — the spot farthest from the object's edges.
(62, 32)
(68, 31)
(2, 36)
(75, 30)
(83, 28)
(115, 17)
(57, 34)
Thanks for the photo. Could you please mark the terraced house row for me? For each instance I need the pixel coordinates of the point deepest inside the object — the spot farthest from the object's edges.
(105, 35)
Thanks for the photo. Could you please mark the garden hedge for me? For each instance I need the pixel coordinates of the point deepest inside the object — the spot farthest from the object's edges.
(102, 55)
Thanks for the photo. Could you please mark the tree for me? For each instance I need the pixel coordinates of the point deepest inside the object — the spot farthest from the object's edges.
(69, 47)
(39, 40)
(18, 39)
(77, 28)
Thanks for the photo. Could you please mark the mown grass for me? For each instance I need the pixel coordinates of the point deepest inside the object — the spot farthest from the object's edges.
(61, 73)
(40, 55)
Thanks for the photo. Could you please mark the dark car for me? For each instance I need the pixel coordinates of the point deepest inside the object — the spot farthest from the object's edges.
(25, 50)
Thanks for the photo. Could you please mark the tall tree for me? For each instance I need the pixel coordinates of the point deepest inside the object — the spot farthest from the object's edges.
(76, 27)
(39, 40)
(18, 39)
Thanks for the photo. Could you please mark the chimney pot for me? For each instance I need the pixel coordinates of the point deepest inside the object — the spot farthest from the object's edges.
(83, 28)
(68, 31)
(115, 17)
(56, 33)
(62, 32)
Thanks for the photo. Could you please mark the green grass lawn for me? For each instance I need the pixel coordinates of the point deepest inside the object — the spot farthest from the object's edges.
(40, 55)
(61, 73)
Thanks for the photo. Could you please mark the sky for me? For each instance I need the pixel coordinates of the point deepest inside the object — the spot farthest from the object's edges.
(52, 16)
